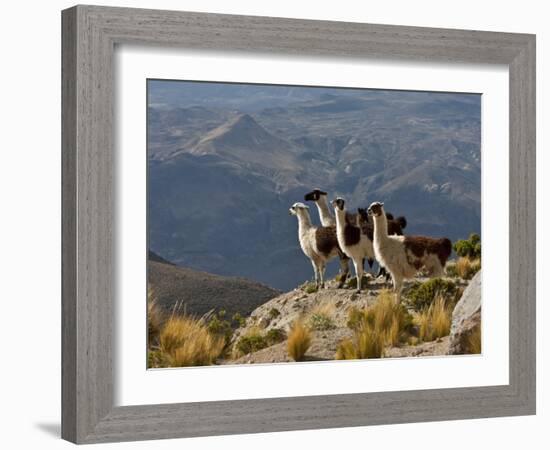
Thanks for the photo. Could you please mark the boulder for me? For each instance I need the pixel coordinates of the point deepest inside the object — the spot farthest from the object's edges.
(466, 317)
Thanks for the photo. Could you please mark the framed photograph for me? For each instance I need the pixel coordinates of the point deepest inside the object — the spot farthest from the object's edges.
(277, 224)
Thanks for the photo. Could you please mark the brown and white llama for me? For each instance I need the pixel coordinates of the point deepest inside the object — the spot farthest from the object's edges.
(353, 242)
(319, 244)
(403, 256)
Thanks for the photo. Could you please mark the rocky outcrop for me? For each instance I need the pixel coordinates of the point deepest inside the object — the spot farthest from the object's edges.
(466, 317)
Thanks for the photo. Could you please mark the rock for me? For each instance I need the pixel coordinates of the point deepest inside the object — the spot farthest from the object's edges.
(466, 317)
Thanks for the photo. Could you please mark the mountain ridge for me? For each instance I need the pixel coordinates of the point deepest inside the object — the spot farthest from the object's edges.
(220, 187)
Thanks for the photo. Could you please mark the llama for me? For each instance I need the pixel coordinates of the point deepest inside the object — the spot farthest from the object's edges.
(352, 241)
(319, 244)
(403, 256)
(395, 226)
(327, 219)
(320, 199)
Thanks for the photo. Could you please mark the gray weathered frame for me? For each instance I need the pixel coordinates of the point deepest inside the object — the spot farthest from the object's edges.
(89, 36)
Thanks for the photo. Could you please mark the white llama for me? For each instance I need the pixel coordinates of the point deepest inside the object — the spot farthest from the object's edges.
(403, 256)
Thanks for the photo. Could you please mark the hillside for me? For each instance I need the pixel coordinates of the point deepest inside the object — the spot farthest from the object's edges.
(200, 292)
(300, 304)
(436, 316)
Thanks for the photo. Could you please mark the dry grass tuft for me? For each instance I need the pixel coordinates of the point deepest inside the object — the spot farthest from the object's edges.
(155, 317)
(383, 324)
(385, 317)
(185, 341)
(299, 340)
(474, 342)
(435, 321)
(366, 343)
(466, 268)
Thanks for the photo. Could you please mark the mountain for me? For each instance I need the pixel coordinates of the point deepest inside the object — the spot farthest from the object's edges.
(199, 292)
(223, 170)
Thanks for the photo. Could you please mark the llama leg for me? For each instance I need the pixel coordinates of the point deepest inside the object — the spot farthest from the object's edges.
(316, 272)
(322, 268)
(397, 287)
(358, 273)
(344, 270)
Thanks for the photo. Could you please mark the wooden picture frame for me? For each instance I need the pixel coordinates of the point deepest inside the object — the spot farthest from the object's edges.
(90, 34)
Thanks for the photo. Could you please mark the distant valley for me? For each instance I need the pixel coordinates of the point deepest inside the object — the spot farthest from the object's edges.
(225, 162)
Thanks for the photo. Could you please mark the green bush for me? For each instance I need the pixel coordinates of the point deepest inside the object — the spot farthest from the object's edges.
(422, 295)
(274, 313)
(451, 270)
(238, 320)
(275, 335)
(470, 248)
(251, 343)
(309, 288)
(321, 322)
(220, 327)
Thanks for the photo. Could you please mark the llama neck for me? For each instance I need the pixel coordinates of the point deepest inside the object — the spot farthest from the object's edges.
(340, 218)
(304, 222)
(380, 227)
(324, 212)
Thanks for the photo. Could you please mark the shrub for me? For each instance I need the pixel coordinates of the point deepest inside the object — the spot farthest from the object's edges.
(467, 268)
(469, 248)
(435, 321)
(309, 288)
(274, 313)
(238, 320)
(450, 269)
(251, 342)
(422, 295)
(339, 277)
(299, 340)
(321, 322)
(220, 327)
(185, 341)
(320, 318)
(275, 335)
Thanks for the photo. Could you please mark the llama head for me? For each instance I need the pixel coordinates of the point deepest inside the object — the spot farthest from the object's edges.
(363, 213)
(314, 195)
(298, 208)
(339, 203)
(376, 209)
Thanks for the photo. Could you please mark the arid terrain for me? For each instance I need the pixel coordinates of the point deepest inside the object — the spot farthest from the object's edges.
(437, 316)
